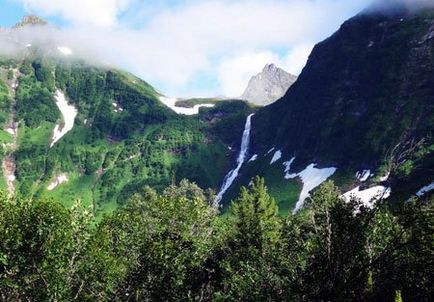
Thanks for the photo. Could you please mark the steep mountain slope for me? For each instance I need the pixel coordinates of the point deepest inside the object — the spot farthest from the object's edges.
(75, 131)
(364, 103)
(268, 86)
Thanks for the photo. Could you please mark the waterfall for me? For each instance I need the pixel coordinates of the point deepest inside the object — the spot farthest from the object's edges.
(230, 177)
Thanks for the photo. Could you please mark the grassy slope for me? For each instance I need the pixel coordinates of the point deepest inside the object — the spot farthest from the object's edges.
(108, 155)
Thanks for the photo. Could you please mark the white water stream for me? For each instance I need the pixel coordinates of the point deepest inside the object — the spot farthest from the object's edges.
(230, 177)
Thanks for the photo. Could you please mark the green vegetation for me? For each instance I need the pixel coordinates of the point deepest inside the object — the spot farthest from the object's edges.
(5, 137)
(174, 246)
(284, 191)
(123, 137)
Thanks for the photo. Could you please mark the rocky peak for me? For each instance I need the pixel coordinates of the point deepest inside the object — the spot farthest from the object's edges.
(30, 20)
(270, 68)
(268, 86)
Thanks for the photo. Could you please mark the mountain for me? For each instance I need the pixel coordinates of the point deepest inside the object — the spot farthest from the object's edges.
(30, 20)
(71, 130)
(361, 113)
(268, 86)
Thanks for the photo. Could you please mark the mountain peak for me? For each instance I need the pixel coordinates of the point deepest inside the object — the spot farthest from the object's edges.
(268, 86)
(30, 20)
(270, 67)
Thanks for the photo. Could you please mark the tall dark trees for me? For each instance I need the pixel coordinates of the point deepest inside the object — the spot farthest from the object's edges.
(174, 246)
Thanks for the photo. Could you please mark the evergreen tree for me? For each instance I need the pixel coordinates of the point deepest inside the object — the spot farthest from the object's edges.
(249, 269)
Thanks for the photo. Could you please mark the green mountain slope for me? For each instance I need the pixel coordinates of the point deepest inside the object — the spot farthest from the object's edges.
(123, 137)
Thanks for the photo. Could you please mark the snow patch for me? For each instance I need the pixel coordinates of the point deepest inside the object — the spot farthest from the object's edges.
(311, 177)
(368, 196)
(170, 102)
(385, 177)
(277, 155)
(364, 175)
(60, 179)
(230, 177)
(64, 50)
(69, 112)
(287, 166)
(253, 158)
(117, 107)
(271, 150)
(425, 190)
(10, 131)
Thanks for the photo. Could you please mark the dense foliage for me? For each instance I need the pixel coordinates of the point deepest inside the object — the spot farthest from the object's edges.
(123, 137)
(175, 247)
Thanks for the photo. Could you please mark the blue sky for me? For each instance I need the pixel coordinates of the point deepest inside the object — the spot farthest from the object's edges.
(191, 47)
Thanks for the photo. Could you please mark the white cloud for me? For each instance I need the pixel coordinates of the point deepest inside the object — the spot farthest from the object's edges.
(226, 40)
(95, 12)
(234, 72)
(296, 58)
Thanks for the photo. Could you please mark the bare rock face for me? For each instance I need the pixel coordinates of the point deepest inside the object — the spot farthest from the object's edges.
(30, 20)
(268, 86)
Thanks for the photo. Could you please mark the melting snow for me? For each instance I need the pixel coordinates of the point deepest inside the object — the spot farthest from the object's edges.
(64, 50)
(425, 190)
(271, 150)
(385, 177)
(253, 158)
(117, 107)
(277, 155)
(287, 165)
(311, 177)
(230, 177)
(170, 102)
(368, 196)
(57, 181)
(69, 112)
(364, 175)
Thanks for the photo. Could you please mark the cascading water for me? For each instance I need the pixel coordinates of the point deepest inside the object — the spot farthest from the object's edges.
(230, 177)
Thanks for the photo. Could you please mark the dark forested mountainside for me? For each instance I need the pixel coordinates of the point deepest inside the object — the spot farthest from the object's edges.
(364, 102)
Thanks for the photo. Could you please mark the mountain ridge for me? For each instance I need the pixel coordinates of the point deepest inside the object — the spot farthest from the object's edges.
(30, 20)
(363, 102)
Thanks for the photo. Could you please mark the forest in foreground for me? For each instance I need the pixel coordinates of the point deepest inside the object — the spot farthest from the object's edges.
(176, 246)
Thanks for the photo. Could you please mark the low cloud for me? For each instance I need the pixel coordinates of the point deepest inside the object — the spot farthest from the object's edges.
(224, 41)
(392, 5)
